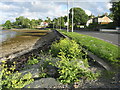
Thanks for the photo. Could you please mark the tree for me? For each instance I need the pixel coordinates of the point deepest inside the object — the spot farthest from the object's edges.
(8, 24)
(33, 23)
(111, 15)
(22, 22)
(91, 16)
(116, 12)
(55, 21)
(39, 21)
(48, 20)
(65, 18)
(62, 22)
(80, 17)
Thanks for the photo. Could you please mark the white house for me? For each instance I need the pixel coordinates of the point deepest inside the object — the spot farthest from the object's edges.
(89, 21)
(44, 24)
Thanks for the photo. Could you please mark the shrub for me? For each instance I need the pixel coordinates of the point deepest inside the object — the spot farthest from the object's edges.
(71, 70)
(108, 26)
(94, 26)
(69, 47)
(72, 66)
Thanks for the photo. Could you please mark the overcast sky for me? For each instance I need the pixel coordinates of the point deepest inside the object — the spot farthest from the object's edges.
(34, 9)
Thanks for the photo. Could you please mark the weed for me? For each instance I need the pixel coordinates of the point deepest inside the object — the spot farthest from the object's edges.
(72, 66)
(32, 61)
(14, 79)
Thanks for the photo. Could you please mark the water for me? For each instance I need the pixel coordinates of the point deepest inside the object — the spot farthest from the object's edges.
(6, 34)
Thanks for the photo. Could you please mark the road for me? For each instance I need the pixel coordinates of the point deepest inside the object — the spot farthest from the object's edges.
(109, 37)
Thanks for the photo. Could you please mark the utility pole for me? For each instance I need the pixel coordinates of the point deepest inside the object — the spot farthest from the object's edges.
(53, 24)
(67, 16)
(72, 16)
(60, 23)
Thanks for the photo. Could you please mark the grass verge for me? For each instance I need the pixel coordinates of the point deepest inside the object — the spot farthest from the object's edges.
(102, 49)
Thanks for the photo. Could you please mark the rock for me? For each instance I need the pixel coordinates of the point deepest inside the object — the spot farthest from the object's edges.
(34, 71)
(51, 70)
(44, 83)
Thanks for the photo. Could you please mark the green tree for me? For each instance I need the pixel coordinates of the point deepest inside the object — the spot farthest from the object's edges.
(59, 22)
(116, 12)
(33, 23)
(91, 16)
(26, 23)
(22, 22)
(8, 24)
(62, 22)
(48, 20)
(19, 21)
(39, 21)
(111, 15)
(80, 17)
(65, 18)
(55, 20)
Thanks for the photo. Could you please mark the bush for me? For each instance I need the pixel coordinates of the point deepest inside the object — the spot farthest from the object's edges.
(72, 66)
(69, 47)
(94, 26)
(108, 26)
(71, 70)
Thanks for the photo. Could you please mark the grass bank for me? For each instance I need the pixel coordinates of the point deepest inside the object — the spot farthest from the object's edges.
(106, 51)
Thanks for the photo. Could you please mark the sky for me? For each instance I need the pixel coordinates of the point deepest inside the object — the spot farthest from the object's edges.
(35, 9)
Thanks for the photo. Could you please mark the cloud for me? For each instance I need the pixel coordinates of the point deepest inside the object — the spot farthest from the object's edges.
(88, 12)
(57, 0)
(109, 5)
(49, 8)
(8, 8)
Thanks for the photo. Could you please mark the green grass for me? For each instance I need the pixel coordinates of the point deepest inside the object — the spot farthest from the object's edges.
(102, 49)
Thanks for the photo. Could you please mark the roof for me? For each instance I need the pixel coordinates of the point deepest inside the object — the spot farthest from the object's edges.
(102, 16)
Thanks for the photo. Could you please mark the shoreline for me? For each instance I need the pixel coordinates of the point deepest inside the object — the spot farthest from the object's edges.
(20, 42)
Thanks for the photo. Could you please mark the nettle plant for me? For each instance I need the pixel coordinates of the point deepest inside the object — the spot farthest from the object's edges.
(72, 66)
(14, 79)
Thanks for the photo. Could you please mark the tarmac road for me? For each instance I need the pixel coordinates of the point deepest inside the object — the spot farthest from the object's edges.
(109, 37)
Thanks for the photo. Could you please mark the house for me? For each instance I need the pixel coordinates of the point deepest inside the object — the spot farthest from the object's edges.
(104, 19)
(89, 22)
(44, 24)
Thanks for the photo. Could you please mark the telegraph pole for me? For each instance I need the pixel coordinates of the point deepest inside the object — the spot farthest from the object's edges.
(60, 23)
(53, 24)
(67, 16)
(72, 16)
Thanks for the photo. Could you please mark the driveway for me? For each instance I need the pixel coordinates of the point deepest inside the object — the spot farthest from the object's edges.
(109, 37)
